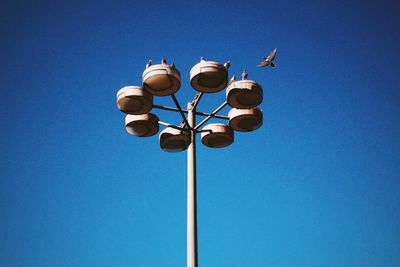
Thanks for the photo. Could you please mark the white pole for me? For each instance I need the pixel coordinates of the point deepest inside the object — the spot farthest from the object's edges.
(191, 194)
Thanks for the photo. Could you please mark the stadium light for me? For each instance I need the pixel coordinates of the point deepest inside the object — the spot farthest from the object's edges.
(206, 77)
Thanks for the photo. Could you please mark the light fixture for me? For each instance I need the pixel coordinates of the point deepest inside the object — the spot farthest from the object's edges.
(244, 94)
(174, 140)
(209, 76)
(134, 100)
(206, 77)
(217, 135)
(245, 120)
(142, 125)
(161, 79)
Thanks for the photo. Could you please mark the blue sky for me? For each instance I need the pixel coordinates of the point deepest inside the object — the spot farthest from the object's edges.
(317, 185)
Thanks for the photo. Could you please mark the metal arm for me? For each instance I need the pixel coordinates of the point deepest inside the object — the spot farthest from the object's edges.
(180, 110)
(214, 116)
(185, 111)
(211, 115)
(168, 108)
(166, 124)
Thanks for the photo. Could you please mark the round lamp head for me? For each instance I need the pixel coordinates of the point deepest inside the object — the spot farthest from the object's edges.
(161, 79)
(134, 100)
(245, 120)
(142, 125)
(174, 140)
(208, 76)
(217, 135)
(244, 94)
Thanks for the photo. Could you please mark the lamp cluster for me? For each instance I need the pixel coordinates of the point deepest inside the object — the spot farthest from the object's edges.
(206, 77)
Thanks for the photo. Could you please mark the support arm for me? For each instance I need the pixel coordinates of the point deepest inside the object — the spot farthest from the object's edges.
(211, 115)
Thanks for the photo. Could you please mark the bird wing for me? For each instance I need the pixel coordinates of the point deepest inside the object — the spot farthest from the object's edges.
(264, 63)
(268, 60)
(272, 55)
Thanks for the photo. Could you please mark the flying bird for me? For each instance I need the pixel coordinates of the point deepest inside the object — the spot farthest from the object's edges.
(269, 59)
(148, 64)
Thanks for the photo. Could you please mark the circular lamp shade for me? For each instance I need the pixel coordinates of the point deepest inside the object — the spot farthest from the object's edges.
(161, 79)
(244, 94)
(142, 125)
(245, 120)
(217, 135)
(208, 77)
(174, 140)
(134, 100)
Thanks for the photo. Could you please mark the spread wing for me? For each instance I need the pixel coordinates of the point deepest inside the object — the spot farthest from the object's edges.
(264, 63)
(268, 60)
(272, 55)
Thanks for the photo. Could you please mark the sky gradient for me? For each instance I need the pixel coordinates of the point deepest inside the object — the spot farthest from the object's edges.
(316, 185)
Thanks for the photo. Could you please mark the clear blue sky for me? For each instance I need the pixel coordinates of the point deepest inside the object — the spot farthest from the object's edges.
(317, 185)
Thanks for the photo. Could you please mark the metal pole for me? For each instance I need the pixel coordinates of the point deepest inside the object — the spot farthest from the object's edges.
(191, 193)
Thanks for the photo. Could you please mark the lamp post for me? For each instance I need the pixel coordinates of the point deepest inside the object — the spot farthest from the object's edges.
(191, 228)
(206, 77)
